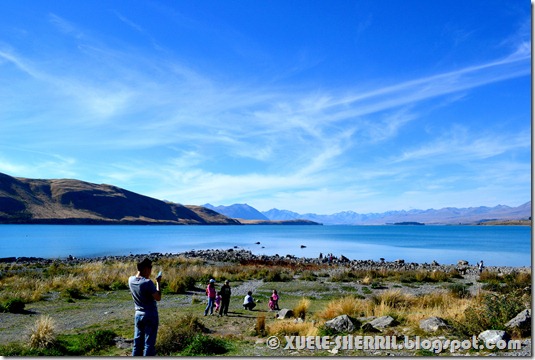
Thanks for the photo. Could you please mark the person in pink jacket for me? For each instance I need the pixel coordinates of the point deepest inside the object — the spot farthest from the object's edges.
(211, 294)
(274, 301)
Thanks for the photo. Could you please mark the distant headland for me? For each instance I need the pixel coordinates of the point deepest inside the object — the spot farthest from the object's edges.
(68, 201)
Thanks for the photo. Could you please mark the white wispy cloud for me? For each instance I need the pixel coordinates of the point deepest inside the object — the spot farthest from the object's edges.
(119, 101)
(458, 146)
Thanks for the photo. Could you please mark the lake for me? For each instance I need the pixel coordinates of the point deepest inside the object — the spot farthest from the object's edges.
(496, 245)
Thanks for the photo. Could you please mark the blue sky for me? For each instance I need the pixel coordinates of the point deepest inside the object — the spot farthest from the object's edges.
(309, 106)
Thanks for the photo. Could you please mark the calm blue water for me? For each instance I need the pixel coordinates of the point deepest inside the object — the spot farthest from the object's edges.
(496, 245)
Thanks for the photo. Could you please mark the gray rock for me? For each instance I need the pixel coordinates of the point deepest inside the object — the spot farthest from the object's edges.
(285, 314)
(123, 343)
(433, 324)
(342, 323)
(368, 328)
(493, 336)
(522, 322)
(462, 263)
(383, 322)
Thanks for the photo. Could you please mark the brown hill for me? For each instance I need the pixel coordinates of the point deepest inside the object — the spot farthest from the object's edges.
(66, 201)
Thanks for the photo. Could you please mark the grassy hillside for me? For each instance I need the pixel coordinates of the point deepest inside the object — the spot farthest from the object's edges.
(67, 201)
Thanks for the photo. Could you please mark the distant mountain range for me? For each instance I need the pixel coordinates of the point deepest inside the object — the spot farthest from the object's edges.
(239, 211)
(445, 216)
(68, 201)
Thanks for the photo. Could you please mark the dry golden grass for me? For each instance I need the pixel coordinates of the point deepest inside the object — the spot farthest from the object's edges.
(523, 277)
(42, 333)
(290, 327)
(348, 305)
(260, 327)
(408, 307)
(300, 310)
(393, 299)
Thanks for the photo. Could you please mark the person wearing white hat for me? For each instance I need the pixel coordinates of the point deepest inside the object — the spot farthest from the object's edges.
(211, 294)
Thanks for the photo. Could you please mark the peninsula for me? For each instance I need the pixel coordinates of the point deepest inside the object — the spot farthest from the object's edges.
(69, 201)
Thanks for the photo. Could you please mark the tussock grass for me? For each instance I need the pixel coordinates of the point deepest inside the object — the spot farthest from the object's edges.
(348, 305)
(393, 299)
(290, 327)
(42, 334)
(411, 309)
(260, 327)
(300, 310)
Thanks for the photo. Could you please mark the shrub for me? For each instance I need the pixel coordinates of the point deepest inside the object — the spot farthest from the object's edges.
(439, 276)
(72, 293)
(454, 274)
(15, 306)
(493, 285)
(277, 275)
(491, 311)
(376, 285)
(180, 284)
(42, 333)
(99, 339)
(17, 349)
(56, 269)
(89, 343)
(421, 276)
(205, 345)
(308, 276)
(488, 276)
(459, 291)
(343, 276)
(175, 337)
(407, 278)
(118, 285)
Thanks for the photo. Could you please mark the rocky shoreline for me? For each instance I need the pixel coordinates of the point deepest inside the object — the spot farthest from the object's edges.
(245, 256)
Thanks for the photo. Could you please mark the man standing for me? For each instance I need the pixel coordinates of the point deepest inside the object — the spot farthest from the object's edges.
(145, 295)
(225, 298)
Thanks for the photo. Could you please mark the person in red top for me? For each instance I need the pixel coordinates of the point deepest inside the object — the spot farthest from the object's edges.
(211, 294)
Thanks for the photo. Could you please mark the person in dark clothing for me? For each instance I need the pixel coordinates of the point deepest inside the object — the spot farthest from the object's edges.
(225, 298)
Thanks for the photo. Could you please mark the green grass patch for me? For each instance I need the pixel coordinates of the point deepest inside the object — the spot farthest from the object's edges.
(203, 345)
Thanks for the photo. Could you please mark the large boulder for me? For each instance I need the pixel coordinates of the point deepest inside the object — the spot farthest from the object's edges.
(493, 336)
(342, 323)
(433, 324)
(285, 314)
(383, 322)
(521, 322)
